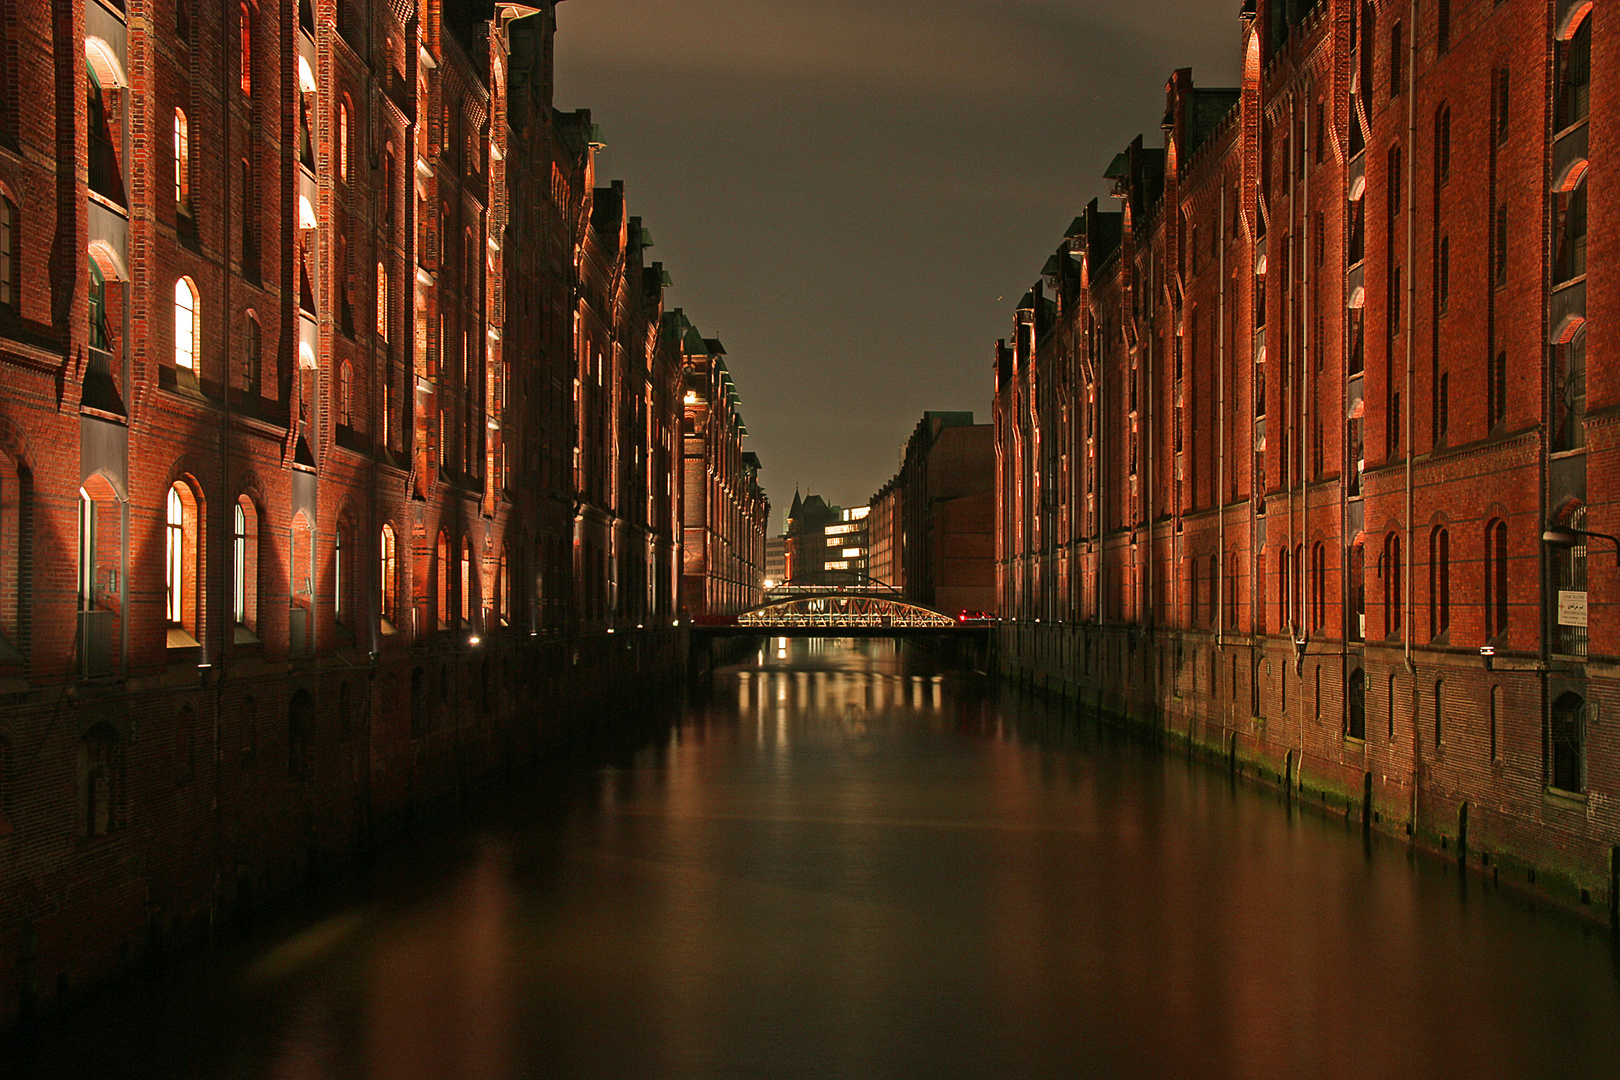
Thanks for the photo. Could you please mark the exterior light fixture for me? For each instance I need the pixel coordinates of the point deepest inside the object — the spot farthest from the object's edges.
(474, 640)
(1564, 536)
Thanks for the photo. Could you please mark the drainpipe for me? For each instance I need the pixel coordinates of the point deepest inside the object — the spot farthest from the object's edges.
(1302, 249)
(1220, 420)
(1411, 299)
(1296, 195)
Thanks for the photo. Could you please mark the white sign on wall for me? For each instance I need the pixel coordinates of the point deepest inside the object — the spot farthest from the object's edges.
(1571, 607)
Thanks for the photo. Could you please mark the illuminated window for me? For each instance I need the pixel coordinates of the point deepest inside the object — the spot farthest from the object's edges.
(386, 571)
(180, 559)
(185, 325)
(247, 50)
(467, 606)
(342, 573)
(382, 302)
(343, 140)
(441, 570)
(244, 563)
(182, 160)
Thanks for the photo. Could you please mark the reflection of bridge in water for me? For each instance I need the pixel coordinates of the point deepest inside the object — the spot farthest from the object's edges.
(860, 609)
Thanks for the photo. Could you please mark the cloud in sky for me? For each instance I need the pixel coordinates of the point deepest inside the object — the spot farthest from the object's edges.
(842, 190)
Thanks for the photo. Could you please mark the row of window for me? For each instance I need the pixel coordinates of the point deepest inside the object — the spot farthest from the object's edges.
(459, 598)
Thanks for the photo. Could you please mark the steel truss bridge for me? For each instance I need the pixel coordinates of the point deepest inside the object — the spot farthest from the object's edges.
(862, 608)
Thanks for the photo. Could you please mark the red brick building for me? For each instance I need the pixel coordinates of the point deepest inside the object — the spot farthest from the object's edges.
(1294, 436)
(339, 431)
(933, 526)
(725, 511)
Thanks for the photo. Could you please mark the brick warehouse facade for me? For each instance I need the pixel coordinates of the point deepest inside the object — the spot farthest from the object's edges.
(341, 421)
(1279, 439)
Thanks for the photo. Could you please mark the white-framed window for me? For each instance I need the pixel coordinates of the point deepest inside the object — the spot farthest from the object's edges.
(174, 558)
(182, 160)
(185, 325)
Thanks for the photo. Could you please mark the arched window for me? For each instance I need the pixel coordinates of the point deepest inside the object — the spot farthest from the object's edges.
(1496, 578)
(341, 574)
(441, 573)
(252, 353)
(1575, 75)
(186, 325)
(343, 140)
(180, 564)
(468, 604)
(1285, 595)
(247, 50)
(1566, 737)
(1394, 690)
(382, 302)
(244, 567)
(1439, 581)
(1389, 568)
(9, 277)
(106, 173)
(346, 395)
(387, 571)
(1318, 586)
(182, 162)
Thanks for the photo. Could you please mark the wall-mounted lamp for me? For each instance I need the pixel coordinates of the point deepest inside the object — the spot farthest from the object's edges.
(1564, 536)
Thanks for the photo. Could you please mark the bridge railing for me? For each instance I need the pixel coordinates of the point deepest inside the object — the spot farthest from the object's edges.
(790, 619)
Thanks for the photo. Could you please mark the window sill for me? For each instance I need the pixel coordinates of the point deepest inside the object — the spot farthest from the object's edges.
(241, 635)
(1574, 800)
(180, 638)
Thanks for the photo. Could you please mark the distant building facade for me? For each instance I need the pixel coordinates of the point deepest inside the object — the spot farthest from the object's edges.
(775, 560)
(1299, 443)
(933, 524)
(846, 546)
(725, 510)
(807, 521)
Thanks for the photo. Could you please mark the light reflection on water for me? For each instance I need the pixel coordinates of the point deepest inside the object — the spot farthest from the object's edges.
(851, 864)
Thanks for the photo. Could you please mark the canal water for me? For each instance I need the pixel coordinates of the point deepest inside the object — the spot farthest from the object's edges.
(846, 863)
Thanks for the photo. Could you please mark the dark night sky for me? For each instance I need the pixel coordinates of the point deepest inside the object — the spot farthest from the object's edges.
(853, 194)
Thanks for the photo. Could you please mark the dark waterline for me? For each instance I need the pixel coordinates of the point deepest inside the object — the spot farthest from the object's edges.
(849, 864)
